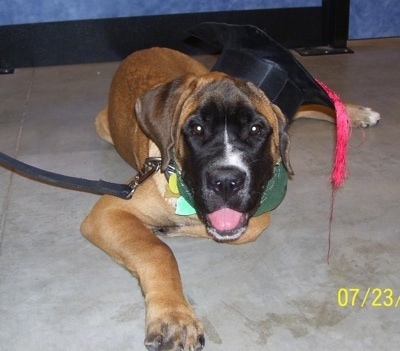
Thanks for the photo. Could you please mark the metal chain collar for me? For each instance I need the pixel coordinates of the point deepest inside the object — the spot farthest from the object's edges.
(151, 165)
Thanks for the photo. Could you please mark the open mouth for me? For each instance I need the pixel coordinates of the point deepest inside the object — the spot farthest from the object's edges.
(226, 224)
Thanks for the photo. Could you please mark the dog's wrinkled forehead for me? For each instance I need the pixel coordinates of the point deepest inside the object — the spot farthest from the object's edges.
(225, 88)
(225, 96)
(224, 103)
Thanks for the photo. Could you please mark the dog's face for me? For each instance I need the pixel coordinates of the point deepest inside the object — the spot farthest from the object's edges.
(225, 136)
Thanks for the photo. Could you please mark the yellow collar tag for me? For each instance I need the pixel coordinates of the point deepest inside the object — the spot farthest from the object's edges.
(183, 208)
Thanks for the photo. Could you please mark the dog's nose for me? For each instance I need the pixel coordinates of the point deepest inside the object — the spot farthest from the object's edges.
(226, 181)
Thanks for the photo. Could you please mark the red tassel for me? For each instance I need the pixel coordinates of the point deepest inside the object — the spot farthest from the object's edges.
(343, 128)
(339, 168)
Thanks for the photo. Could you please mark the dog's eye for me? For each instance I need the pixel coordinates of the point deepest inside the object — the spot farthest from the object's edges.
(197, 129)
(255, 129)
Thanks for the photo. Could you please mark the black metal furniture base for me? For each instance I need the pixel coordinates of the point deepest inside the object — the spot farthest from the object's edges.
(4, 70)
(323, 50)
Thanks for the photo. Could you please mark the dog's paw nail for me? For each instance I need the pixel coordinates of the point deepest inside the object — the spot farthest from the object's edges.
(201, 343)
(153, 343)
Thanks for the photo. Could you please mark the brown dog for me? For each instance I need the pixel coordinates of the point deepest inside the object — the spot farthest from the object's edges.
(224, 137)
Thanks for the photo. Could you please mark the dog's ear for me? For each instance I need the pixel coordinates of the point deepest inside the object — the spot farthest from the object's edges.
(158, 112)
(284, 141)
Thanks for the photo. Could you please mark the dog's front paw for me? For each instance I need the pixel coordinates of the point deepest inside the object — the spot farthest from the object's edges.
(363, 116)
(175, 331)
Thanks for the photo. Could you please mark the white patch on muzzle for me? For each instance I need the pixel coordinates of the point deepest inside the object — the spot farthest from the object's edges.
(233, 157)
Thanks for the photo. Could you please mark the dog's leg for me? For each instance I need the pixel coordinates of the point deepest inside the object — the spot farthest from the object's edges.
(360, 116)
(102, 126)
(170, 322)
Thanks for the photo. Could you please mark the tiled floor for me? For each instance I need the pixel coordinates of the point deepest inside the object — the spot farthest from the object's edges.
(58, 292)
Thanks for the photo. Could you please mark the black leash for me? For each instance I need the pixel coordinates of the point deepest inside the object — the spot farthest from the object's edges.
(99, 187)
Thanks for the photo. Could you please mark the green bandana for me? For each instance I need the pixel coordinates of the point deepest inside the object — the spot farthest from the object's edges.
(271, 198)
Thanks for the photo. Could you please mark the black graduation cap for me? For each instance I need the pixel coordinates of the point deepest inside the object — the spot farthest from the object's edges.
(250, 54)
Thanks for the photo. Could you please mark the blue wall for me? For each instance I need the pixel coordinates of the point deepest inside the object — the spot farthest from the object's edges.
(368, 18)
(374, 18)
(32, 11)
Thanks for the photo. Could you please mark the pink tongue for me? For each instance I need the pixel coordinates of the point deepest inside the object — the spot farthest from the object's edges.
(225, 219)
